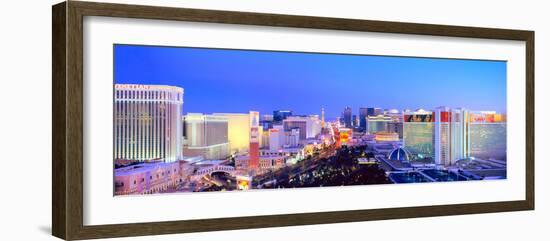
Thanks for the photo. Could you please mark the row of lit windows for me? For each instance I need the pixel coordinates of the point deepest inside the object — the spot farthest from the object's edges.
(268, 163)
(148, 95)
(138, 139)
(130, 129)
(121, 184)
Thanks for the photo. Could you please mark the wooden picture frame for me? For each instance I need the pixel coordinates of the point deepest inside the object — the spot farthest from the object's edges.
(67, 123)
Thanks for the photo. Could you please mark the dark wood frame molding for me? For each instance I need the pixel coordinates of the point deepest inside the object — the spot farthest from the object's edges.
(67, 120)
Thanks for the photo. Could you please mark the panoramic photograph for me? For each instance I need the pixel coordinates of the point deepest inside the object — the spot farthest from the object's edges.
(188, 119)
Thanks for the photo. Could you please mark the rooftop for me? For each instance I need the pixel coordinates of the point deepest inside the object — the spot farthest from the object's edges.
(143, 167)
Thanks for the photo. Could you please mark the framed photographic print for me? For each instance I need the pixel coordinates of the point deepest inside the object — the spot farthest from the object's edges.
(171, 120)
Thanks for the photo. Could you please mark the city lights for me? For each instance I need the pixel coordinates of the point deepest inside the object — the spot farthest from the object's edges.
(285, 124)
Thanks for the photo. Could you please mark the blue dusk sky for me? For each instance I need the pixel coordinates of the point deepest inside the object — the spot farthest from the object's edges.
(221, 80)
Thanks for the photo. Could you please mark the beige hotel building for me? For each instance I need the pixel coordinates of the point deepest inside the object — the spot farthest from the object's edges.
(147, 122)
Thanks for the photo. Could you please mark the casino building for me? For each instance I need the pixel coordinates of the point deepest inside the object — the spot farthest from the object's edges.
(451, 135)
(309, 126)
(147, 122)
(386, 136)
(447, 135)
(345, 135)
(418, 133)
(378, 123)
(206, 135)
(238, 131)
(488, 135)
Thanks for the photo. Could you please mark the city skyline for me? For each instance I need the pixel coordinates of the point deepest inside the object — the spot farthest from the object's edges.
(188, 120)
(281, 80)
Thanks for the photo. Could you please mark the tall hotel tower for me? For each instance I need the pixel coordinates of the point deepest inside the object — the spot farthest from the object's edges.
(206, 136)
(418, 132)
(147, 122)
(451, 135)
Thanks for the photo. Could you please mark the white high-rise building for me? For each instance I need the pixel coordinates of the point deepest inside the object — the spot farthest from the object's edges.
(316, 126)
(451, 135)
(147, 122)
(276, 137)
(310, 126)
(292, 138)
